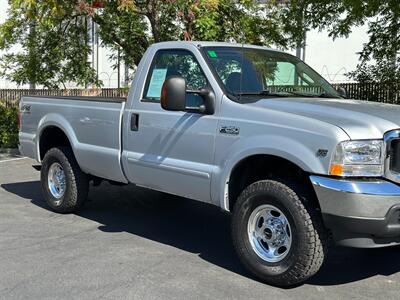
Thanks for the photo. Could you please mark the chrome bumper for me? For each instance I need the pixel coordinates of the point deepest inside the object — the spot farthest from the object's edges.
(356, 198)
(359, 213)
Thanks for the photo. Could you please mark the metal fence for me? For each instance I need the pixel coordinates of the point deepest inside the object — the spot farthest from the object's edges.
(379, 92)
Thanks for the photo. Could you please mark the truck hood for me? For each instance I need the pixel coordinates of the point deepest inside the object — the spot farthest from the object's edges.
(359, 119)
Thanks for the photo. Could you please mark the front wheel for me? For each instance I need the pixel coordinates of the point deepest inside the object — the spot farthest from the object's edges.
(277, 233)
(64, 185)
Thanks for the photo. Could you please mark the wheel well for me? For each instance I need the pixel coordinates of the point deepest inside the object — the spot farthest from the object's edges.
(260, 167)
(51, 137)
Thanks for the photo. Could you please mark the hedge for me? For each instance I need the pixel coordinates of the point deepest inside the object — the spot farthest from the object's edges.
(8, 127)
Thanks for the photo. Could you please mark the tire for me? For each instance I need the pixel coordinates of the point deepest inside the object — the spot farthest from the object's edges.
(305, 244)
(67, 197)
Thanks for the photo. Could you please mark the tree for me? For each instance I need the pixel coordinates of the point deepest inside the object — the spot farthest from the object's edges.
(382, 71)
(379, 56)
(45, 43)
(379, 59)
(220, 20)
(141, 23)
(53, 34)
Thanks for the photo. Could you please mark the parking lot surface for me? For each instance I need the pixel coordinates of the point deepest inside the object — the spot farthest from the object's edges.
(129, 243)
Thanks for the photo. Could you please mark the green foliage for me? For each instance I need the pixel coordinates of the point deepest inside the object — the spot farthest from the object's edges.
(379, 56)
(8, 127)
(382, 71)
(53, 34)
(51, 44)
(122, 30)
(131, 26)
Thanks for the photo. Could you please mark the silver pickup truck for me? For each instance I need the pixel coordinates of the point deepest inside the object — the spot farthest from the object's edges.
(254, 131)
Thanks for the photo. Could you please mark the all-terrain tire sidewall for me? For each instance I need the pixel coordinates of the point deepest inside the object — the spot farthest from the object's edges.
(76, 188)
(308, 249)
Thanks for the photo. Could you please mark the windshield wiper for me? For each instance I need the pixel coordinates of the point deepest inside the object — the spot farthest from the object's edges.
(322, 95)
(286, 94)
(264, 93)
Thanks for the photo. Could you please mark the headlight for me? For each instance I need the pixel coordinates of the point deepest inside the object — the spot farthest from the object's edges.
(358, 158)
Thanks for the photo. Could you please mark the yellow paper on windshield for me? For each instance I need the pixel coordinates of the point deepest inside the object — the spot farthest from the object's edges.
(156, 81)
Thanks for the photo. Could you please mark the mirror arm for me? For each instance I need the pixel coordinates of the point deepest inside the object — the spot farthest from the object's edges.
(208, 97)
(202, 92)
(201, 109)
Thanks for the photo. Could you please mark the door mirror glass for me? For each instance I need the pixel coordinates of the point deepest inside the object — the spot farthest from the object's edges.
(173, 94)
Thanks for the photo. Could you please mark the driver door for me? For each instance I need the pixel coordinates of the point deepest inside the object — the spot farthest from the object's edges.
(172, 151)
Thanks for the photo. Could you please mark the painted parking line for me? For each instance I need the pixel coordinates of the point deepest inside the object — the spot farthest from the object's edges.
(12, 159)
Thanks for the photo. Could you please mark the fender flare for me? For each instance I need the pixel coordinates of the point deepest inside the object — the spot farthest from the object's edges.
(55, 120)
(289, 150)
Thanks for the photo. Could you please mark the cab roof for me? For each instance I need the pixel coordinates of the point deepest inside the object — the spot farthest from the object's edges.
(212, 44)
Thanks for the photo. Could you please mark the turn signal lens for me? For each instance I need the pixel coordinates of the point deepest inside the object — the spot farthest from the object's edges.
(336, 170)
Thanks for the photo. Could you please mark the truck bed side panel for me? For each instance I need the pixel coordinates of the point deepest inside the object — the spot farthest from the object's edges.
(92, 127)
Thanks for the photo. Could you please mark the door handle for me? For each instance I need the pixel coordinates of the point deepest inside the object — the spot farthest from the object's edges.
(134, 122)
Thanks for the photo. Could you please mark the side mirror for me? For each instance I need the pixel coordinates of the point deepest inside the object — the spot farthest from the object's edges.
(173, 96)
(342, 91)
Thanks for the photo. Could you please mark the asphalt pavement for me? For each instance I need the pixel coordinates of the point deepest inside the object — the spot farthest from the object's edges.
(129, 243)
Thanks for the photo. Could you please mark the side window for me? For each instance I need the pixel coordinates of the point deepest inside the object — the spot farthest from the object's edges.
(174, 62)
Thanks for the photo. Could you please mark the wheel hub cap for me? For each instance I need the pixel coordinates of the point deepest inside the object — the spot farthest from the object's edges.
(56, 181)
(269, 233)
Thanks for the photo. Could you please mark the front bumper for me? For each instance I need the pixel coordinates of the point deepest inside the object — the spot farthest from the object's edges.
(360, 213)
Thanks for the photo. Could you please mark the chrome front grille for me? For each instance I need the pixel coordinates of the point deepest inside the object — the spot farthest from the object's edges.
(392, 155)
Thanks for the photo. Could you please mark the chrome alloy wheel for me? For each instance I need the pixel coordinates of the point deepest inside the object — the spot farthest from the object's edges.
(56, 181)
(269, 233)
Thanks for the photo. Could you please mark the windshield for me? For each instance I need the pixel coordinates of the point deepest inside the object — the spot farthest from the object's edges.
(249, 72)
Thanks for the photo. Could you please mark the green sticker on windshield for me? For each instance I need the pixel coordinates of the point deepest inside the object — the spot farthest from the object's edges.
(211, 53)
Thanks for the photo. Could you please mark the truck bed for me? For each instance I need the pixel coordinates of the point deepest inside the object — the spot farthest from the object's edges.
(83, 98)
(93, 125)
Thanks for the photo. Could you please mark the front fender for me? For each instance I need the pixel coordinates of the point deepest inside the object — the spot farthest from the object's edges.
(292, 150)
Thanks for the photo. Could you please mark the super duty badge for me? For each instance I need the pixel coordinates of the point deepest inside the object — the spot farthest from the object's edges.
(229, 130)
(25, 109)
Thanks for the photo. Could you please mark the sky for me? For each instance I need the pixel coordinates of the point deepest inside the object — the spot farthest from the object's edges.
(332, 59)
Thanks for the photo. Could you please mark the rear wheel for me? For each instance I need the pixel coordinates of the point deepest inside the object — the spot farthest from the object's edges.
(277, 233)
(64, 185)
